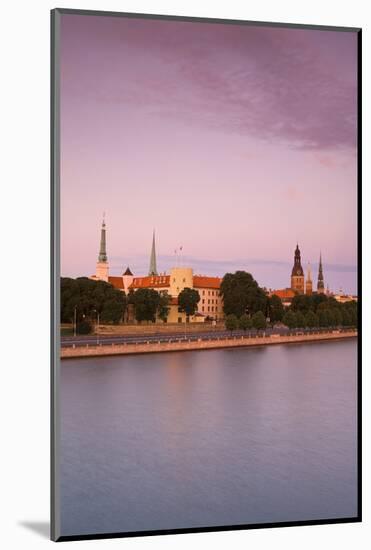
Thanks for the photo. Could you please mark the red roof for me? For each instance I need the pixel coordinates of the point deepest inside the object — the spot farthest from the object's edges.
(283, 293)
(151, 281)
(206, 282)
(117, 282)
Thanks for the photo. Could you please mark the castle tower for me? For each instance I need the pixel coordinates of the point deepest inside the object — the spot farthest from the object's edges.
(320, 283)
(127, 279)
(297, 273)
(308, 282)
(152, 262)
(102, 263)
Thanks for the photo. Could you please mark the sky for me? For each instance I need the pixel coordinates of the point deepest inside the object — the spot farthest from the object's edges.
(232, 141)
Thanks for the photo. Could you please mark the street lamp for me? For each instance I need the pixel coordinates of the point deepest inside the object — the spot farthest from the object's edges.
(74, 321)
(97, 326)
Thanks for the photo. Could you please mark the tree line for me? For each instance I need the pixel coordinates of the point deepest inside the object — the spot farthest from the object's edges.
(319, 310)
(85, 300)
(247, 306)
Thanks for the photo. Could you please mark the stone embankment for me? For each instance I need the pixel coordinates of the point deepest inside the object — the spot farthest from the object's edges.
(93, 350)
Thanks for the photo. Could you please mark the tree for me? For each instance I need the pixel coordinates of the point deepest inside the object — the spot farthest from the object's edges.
(187, 301)
(242, 294)
(346, 317)
(300, 320)
(87, 297)
(231, 322)
(146, 302)
(311, 319)
(323, 318)
(245, 322)
(318, 299)
(289, 319)
(336, 316)
(275, 309)
(163, 307)
(332, 317)
(258, 320)
(350, 313)
(113, 311)
(302, 303)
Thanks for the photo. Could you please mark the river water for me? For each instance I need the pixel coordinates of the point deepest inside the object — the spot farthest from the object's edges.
(207, 438)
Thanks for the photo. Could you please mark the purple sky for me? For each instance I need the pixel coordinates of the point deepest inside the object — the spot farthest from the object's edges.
(233, 141)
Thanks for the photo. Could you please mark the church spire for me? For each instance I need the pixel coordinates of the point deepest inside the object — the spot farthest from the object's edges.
(102, 250)
(308, 282)
(297, 273)
(152, 262)
(320, 283)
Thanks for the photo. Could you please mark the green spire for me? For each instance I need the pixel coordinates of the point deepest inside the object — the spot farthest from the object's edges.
(152, 262)
(102, 251)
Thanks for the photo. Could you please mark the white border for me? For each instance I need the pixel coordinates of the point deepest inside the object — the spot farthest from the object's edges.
(26, 262)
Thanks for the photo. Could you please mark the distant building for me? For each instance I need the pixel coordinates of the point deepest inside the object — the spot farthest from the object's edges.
(343, 298)
(285, 294)
(297, 273)
(209, 306)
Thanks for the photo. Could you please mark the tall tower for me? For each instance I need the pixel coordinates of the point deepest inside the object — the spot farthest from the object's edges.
(152, 261)
(308, 282)
(320, 283)
(297, 273)
(102, 263)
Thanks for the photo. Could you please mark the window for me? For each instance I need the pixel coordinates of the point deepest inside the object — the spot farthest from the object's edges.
(203, 300)
(203, 309)
(183, 280)
(208, 309)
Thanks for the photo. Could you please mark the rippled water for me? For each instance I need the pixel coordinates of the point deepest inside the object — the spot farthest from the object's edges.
(205, 438)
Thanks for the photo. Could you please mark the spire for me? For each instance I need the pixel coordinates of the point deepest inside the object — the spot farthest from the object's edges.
(309, 272)
(320, 283)
(102, 250)
(152, 262)
(128, 272)
(297, 270)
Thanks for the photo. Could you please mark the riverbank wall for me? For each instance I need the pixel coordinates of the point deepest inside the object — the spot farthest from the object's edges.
(190, 345)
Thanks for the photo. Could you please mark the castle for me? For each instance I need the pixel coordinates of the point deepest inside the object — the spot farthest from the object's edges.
(210, 305)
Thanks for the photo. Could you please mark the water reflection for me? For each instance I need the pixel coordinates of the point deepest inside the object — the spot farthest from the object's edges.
(207, 438)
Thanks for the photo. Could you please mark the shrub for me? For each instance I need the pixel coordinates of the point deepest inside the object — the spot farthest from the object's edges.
(84, 327)
(231, 322)
(245, 322)
(258, 320)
